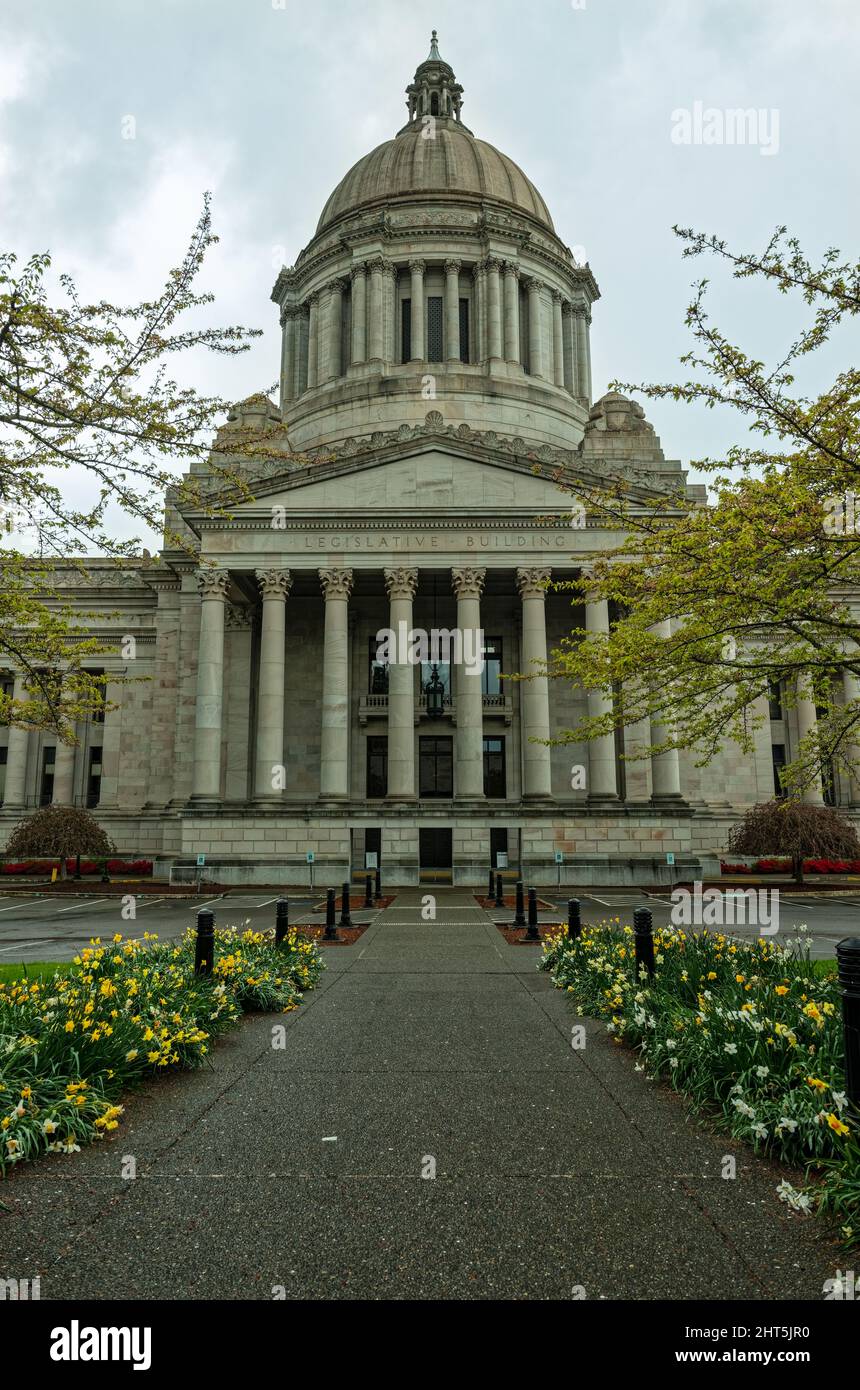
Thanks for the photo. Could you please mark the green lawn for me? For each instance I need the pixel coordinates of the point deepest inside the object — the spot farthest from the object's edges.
(34, 969)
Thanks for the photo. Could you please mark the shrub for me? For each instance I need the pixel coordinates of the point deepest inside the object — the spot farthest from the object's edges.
(797, 829)
(746, 1031)
(71, 1045)
(60, 831)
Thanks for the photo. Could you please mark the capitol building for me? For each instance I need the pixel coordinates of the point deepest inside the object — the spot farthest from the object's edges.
(435, 389)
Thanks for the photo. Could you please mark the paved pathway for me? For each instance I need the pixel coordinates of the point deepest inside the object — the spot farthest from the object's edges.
(427, 1043)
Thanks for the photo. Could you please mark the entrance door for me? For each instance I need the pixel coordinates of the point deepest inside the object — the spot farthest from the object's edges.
(435, 855)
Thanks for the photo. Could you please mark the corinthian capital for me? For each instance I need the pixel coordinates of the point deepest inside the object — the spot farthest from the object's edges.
(532, 583)
(468, 582)
(336, 583)
(274, 583)
(401, 583)
(417, 265)
(213, 583)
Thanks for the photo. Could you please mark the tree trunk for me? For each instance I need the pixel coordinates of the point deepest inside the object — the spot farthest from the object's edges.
(797, 867)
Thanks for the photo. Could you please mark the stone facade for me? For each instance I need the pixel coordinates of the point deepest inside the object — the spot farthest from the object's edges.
(435, 386)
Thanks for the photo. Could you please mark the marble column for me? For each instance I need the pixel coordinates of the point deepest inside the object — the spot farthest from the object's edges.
(536, 367)
(375, 313)
(494, 310)
(851, 693)
(665, 767)
(359, 314)
(301, 363)
(557, 340)
(289, 323)
(275, 585)
(334, 331)
(65, 760)
(807, 723)
(588, 358)
(468, 584)
(313, 338)
(602, 770)
(18, 748)
(334, 750)
(110, 784)
(418, 350)
(568, 335)
(400, 585)
(534, 693)
(480, 283)
(209, 706)
(452, 313)
(389, 294)
(512, 313)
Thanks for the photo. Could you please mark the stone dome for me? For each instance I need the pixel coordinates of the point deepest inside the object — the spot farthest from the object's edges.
(454, 162)
(434, 153)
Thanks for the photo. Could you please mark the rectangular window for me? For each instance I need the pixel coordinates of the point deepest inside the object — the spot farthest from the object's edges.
(774, 700)
(434, 328)
(377, 671)
(464, 331)
(94, 777)
(377, 766)
(494, 767)
(436, 767)
(778, 755)
(491, 683)
(46, 787)
(405, 330)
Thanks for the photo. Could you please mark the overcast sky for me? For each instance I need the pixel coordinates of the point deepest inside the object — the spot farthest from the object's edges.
(268, 103)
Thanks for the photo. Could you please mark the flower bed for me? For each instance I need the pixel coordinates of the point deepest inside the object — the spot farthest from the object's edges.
(747, 1032)
(784, 866)
(35, 867)
(71, 1045)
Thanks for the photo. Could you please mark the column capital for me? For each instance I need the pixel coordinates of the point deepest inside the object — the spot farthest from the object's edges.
(452, 267)
(532, 583)
(360, 268)
(213, 583)
(417, 266)
(533, 285)
(567, 306)
(468, 582)
(274, 583)
(336, 583)
(401, 583)
(338, 285)
(557, 296)
(492, 262)
(314, 297)
(512, 269)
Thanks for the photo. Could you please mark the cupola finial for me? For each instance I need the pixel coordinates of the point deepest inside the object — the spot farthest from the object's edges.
(434, 91)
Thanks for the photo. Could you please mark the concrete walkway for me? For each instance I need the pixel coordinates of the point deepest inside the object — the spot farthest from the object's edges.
(428, 1043)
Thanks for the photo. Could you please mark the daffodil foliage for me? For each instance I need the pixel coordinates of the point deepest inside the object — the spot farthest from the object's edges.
(92, 423)
(713, 605)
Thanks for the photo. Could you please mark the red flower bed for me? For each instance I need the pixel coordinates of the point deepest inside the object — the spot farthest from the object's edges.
(88, 866)
(783, 866)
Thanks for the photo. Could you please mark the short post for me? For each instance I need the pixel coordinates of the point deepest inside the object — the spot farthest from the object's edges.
(643, 941)
(490, 885)
(77, 866)
(105, 874)
(282, 920)
(330, 930)
(533, 934)
(368, 891)
(574, 924)
(520, 915)
(500, 897)
(345, 919)
(848, 962)
(378, 893)
(204, 950)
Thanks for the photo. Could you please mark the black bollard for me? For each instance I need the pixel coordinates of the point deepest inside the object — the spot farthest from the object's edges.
(378, 893)
(345, 919)
(204, 952)
(848, 962)
(105, 874)
(500, 897)
(520, 915)
(490, 884)
(574, 925)
(644, 941)
(368, 891)
(77, 866)
(330, 930)
(282, 920)
(533, 934)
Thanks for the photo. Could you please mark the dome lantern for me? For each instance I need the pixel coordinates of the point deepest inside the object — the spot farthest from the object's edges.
(434, 90)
